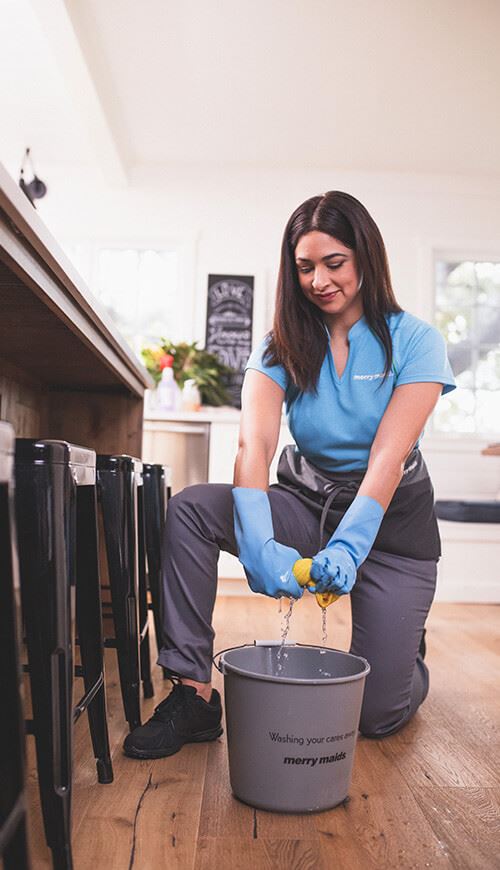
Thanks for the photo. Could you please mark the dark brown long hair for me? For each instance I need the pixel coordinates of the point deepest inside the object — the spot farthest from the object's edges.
(298, 339)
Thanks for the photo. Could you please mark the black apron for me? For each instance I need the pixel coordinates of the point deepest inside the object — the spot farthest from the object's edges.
(409, 527)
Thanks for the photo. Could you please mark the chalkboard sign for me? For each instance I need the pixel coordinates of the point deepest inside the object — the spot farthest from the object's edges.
(229, 325)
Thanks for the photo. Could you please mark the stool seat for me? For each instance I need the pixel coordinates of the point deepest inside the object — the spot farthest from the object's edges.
(81, 460)
(468, 511)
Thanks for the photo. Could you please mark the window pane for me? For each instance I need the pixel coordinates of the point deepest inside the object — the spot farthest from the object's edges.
(468, 317)
(139, 288)
(488, 371)
(455, 412)
(116, 286)
(456, 284)
(488, 277)
(455, 325)
(488, 412)
(465, 378)
(460, 357)
(157, 296)
(487, 326)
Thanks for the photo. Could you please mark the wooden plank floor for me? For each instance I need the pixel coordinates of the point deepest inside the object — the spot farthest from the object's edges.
(426, 797)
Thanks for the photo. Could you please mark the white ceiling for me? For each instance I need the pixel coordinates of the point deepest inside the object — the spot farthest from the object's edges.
(377, 85)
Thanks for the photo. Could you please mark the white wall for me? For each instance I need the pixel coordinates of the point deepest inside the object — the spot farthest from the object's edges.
(231, 221)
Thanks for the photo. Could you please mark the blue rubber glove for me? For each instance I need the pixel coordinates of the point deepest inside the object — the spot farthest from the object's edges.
(334, 569)
(268, 565)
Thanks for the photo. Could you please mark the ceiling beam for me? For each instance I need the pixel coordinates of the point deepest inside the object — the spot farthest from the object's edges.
(66, 46)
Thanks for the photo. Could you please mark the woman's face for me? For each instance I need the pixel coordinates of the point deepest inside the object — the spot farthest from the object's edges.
(328, 275)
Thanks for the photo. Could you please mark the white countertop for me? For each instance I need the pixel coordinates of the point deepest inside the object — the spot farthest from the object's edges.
(207, 414)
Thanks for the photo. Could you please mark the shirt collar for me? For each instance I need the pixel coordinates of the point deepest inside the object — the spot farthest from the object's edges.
(355, 330)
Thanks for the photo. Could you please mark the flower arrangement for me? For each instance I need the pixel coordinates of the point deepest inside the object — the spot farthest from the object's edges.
(190, 362)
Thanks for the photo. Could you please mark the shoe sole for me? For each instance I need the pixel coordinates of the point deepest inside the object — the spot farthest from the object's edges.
(202, 737)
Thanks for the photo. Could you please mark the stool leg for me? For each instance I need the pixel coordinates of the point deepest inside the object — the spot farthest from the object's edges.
(45, 502)
(117, 494)
(89, 623)
(168, 496)
(154, 511)
(13, 843)
(15, 855)
(147, 685)
(154, 578)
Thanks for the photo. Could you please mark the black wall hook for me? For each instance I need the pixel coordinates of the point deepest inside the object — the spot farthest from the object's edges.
(36, 188)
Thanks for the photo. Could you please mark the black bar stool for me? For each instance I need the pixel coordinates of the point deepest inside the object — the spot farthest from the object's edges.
(13, 838)
(157, 491)
(58, 553)
(120, 492)
(468, 511)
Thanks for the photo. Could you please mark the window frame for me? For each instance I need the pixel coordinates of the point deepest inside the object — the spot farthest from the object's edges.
(488, 251)
(87, 259)
(185, 250)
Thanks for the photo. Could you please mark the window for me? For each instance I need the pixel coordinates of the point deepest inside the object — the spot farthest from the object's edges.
(140, 290)
(468, 316)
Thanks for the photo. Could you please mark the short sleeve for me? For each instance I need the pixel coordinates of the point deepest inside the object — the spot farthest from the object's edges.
(277, 373)
(425, 360)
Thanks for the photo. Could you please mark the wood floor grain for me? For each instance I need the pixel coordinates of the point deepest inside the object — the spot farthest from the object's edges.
(426, 797)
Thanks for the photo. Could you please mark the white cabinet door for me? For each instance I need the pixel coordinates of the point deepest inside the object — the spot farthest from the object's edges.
(224, 447)
(180, 444)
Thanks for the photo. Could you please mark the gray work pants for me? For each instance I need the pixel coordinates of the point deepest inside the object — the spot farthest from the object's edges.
(390, 599)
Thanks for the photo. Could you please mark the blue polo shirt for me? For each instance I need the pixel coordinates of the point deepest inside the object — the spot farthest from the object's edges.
(334, 428)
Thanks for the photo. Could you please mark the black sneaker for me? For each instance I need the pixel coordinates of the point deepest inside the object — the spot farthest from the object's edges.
(183, 717)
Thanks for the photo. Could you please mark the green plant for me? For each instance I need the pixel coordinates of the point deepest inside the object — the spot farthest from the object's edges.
(190, 361)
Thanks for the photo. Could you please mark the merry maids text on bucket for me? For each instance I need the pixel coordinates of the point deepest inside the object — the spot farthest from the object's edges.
(311, 761)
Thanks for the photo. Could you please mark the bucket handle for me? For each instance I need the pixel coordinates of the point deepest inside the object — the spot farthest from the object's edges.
(221, 652)
(240, 646)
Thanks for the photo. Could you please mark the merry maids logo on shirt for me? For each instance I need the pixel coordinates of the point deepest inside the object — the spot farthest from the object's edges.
(375, 377)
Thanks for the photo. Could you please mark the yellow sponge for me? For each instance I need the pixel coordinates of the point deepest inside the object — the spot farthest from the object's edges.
(301, 571)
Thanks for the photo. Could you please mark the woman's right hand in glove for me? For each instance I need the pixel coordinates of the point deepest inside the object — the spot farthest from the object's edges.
(268, 565)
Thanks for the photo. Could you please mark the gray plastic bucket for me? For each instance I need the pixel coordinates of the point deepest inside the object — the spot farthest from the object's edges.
(292, 732)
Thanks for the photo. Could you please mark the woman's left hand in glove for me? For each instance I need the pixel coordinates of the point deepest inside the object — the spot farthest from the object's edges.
(334, 569)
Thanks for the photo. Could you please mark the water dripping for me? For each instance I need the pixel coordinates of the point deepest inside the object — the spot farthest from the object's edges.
(285, 628)
(324, 640)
